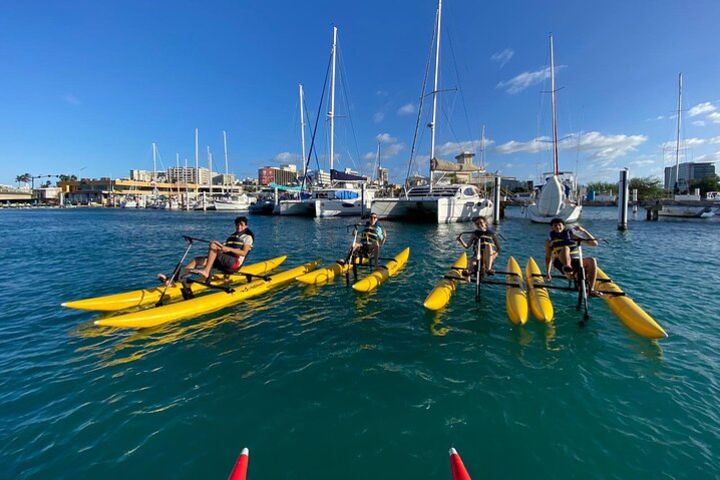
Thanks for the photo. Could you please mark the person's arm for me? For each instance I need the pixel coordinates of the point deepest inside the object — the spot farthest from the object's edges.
(462, 242)
(591, 242)
(497, 243)
(240, 252)
(548, 259)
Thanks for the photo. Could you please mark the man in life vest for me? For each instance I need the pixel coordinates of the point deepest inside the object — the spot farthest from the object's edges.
(562, 251)
(227, 257)
(372, 237)
(487, 240)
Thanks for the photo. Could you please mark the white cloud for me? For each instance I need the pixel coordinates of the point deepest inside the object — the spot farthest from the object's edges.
(601, 147)
(378, 117)
(502, 57)
(712, 157)
(699, 123)
(526, 79)
(385, 138)
(448, 149)
(693, 142)
(381, 93)
(388, 149)
(407, 109)
(71, 99)
(701, 108)
(714, 117)
(286, 157)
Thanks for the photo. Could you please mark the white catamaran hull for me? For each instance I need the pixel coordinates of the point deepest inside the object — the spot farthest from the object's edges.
(437, 210)
(242, 205)
(305, 208)
(569, 214)
(685, 211)
(341, 208)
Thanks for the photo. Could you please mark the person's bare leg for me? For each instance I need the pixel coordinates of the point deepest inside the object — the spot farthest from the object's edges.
(213, 252)
(590, 265)
(491, 261)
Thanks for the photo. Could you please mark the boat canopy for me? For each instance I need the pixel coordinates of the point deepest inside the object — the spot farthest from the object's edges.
(446, 166)
(346, 177)
(346, 194)
(285, 188)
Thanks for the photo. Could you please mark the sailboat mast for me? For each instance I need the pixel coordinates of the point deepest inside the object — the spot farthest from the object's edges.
(177, 173)
(331, 113)
(154, 154)
(302, 128)
(482, 148)
(435, 84)
(677, 141)
(210, 179)
(556, 166)
(225, 149)
(197, 162)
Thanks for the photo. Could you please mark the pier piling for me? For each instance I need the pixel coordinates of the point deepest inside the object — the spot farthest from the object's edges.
(496, 201)
(623, 200)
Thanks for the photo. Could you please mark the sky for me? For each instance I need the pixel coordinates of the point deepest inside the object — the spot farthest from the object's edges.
(88, 86)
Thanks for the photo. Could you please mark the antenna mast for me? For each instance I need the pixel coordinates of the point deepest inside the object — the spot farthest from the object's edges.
(556, 166)
(677, 142)
(227, 172)
(435, 86)
(331, 113)
(302, 128)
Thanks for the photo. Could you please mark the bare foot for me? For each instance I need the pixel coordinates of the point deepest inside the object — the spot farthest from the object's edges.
(202, 273)
(164, 280)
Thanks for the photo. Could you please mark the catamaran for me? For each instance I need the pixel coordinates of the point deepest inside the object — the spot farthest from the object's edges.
(440, 201)
(557, 198)
(683, 210)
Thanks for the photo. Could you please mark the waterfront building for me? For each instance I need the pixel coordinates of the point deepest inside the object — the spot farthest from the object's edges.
(188, 175)
(688, 171)
(382, 176)
(141, 175)
(284, 175)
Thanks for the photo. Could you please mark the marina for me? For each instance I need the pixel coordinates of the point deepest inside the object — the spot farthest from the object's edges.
(357, 240)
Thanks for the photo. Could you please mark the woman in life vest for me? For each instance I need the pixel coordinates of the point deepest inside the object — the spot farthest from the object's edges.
(372, 237)
(487, 240)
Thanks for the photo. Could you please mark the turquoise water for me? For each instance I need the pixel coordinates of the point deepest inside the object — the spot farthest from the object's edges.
(327, 383)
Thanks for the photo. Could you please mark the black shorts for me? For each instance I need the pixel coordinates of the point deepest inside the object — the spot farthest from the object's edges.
(574, 263)
(227, 263)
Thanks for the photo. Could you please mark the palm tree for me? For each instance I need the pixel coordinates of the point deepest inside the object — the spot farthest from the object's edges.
(24, 178)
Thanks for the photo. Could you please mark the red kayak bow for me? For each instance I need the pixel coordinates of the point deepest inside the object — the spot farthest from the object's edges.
(241, 465)
(456, 466)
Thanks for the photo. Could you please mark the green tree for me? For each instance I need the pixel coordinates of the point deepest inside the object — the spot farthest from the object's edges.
(649, 188)
(602, 187)
(711, 183)
(24, 178)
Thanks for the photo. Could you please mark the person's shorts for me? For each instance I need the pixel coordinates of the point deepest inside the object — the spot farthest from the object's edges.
(574, 263)
(228, 263)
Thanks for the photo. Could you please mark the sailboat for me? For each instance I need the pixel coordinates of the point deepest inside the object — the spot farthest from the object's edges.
(229, 201)
(439, 202)
(303, 204)
(679, 209)
(347, 195)
(556, 199)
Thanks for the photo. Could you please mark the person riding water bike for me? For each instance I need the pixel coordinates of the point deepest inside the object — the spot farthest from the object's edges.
(562, 252)
(489, 244)
(227, 257)
(372, 237)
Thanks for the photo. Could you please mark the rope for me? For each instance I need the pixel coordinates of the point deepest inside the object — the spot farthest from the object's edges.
(315, 128)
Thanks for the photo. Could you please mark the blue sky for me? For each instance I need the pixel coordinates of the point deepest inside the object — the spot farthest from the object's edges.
(87, 86)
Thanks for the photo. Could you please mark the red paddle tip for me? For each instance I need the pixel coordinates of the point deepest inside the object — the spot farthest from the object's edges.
(457, 469)
(239, 472)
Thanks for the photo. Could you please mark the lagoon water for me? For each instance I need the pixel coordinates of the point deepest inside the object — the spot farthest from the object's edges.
(326, 383)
